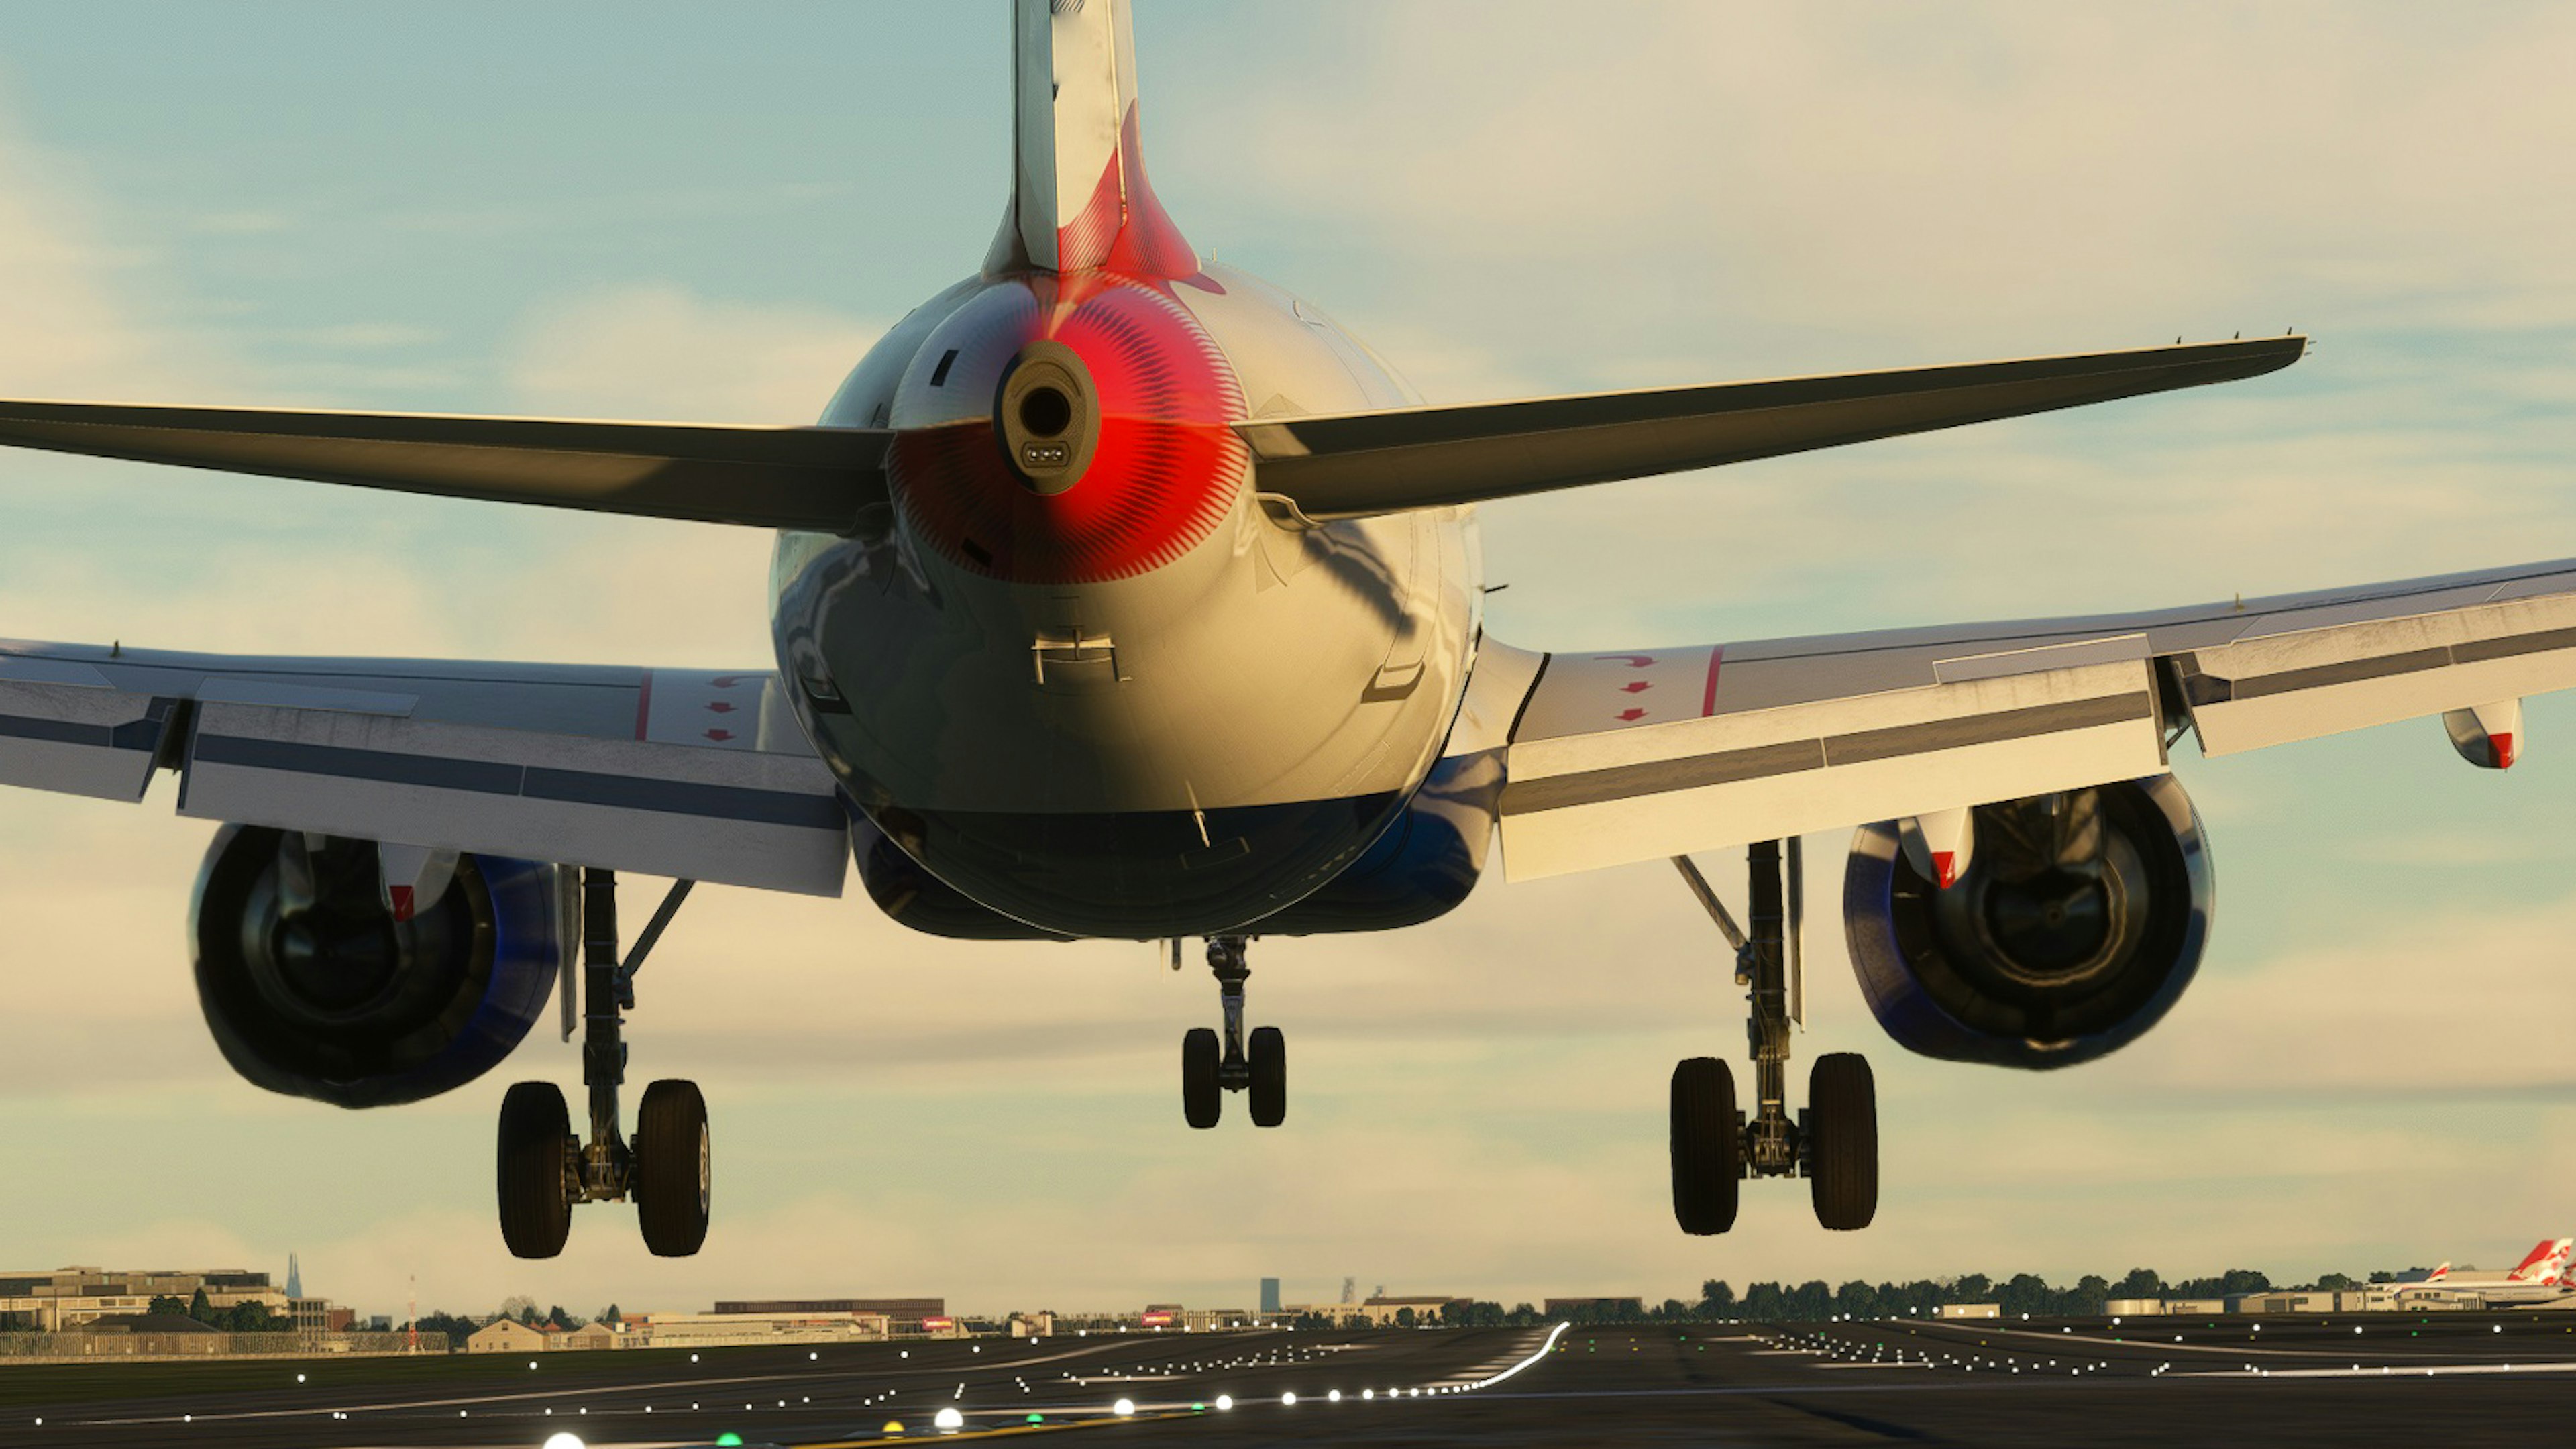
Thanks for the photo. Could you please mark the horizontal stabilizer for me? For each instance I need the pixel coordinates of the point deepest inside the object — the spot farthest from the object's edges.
(813, 478)
(1351, 464)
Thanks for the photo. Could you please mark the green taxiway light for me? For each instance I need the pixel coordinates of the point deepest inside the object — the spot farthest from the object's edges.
(729, 1437)
(1037, 1418)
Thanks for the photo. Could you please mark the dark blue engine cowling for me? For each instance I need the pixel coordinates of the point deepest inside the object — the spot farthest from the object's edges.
(2079, 921)
(312, 988)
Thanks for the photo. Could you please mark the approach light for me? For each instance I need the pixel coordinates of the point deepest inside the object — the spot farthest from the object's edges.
(1124, 1408)
(563, 1441)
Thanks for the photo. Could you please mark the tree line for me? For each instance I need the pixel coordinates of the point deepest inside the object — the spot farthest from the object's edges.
(1817, 1300)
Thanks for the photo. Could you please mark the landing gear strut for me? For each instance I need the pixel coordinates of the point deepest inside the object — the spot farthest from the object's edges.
(544, 1169)
(1212, 1066)
(1833, 1142)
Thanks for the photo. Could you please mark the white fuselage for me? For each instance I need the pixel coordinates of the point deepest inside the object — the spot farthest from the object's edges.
(1150, 703)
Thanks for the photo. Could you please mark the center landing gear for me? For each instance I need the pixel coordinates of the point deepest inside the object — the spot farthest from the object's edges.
(1833, 1142)
(544, 1169)
(1212, 1067)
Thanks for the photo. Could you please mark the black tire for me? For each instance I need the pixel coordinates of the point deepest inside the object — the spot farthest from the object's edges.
(1842, 1141)
(1268, 1053)
(536, 1147)
(673, 1178)
(1707, 1146)
(1202, 1095)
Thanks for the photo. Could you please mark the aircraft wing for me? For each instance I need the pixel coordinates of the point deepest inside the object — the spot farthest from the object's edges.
(1351, 464)
(811, 478)
(1618, 757)
(690, 774)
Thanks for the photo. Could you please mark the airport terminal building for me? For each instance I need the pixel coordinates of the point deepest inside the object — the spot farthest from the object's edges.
(62, 1298)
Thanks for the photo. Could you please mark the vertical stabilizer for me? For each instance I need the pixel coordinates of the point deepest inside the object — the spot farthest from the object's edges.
(1079, 198)
(2546, 1263)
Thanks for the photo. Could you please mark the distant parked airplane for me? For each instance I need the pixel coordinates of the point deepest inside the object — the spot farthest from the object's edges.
(1120, 594)
(2542, 1274)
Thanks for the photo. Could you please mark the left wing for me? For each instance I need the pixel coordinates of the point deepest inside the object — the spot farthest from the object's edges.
(690, 774)
(1624, 757)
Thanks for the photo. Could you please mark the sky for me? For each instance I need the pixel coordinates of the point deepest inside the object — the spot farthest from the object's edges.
(707, 213)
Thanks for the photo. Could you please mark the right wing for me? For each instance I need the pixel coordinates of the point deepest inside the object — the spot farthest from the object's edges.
(1619, 757)
(689, 774)
(806, 478)
(1347, 465)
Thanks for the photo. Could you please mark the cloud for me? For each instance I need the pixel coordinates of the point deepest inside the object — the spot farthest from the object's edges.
(660, 352)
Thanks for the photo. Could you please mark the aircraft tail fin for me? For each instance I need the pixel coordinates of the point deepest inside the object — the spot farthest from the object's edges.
(2546, 1263)
(1079, 198)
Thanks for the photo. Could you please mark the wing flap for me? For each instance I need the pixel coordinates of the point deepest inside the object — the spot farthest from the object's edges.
(696, 774)
(2299, 683)
(737, 818)
(805, 478)
(1352, 464)
(79, 738)
(1581, 801)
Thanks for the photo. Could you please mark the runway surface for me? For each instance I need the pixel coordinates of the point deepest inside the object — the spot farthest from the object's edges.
(2451, 1378)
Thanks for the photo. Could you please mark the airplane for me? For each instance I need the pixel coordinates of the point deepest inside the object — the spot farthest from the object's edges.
(1118, 594)
(2542, 1275)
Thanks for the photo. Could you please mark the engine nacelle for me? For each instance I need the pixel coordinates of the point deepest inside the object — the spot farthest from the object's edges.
(2075, 928)
(313, 987)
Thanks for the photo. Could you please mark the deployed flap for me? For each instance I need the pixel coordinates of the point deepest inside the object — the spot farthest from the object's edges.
(694, 774)
(1604, 771)
(810, 478)
(1379, 462)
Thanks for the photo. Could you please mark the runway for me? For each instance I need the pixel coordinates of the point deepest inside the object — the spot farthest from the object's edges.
(2454, 1378)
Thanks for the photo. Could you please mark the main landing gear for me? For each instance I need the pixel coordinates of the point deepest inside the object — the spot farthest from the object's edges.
(544, 1169)
(1833, 1142)
(1211, 1067)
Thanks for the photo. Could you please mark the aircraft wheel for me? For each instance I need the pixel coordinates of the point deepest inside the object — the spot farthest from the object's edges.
(535, 1159)
(1842, 1127)
(1268, 1053)
(1706, 1145)
(674, 1177)
(1202, 1095)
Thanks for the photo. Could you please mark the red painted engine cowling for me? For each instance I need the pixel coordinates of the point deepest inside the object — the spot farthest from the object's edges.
(2075, 928)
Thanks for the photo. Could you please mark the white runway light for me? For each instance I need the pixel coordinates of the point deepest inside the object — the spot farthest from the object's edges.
(564, 1441)
(1288, 1401)
(948, 1421)
(1224, 1402)
(1124, 1408)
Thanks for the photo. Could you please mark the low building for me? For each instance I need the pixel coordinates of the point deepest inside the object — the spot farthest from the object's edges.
(2207, 1307)
(508, 1335)
(1388, 1308)
(719, 1330)
(2134, 1307)
(69, 1297)
(897, 1311)
(1969, 1310)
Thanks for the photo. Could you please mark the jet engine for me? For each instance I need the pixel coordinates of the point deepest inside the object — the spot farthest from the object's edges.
(314, 984)
(2074, 927)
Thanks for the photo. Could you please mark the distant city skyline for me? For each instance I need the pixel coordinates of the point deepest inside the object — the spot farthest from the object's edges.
(705, 214)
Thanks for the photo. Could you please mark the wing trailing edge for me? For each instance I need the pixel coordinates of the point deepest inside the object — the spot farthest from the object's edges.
(806, 478)
(1352, 464)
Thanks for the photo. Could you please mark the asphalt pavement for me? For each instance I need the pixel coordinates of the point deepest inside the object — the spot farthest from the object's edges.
(2437, 1377)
